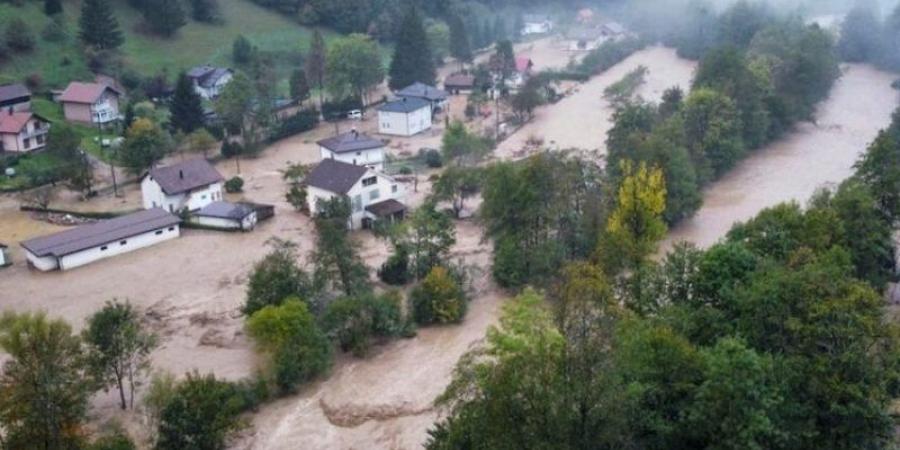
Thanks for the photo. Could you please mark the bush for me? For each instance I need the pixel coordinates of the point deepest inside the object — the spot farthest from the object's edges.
(241, 50)
(231, 149)
(18, 36)
(354, 321)
(304, 120)
(432, 157)
(439, 298)
(275, 278)
(406, 170)
(288, 334)
(201, 414)
(395, 270)
(609, 54)
(55, 30)
(234, 184)
(115, 439)
(338, 109)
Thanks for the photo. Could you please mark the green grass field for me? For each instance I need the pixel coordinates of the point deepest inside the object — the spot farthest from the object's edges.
(195, 43)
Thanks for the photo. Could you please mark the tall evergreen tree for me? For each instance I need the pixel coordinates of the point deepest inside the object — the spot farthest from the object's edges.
(205, 10)
(315, 64)
(98, 25)
(299, 85)
(412, 60)
(164, 17)
(460, 47)
(187, 106)
(52, 7)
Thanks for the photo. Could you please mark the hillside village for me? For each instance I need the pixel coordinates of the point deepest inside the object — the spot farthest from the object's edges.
(254, 224)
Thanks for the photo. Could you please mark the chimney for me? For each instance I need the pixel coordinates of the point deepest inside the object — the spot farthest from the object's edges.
(181, 174)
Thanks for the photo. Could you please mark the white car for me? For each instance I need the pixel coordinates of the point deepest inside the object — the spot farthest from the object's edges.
(355, 114)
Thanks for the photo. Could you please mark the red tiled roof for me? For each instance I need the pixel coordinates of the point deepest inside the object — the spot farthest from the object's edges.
(523, 63)
(78, 92)
(13, 123)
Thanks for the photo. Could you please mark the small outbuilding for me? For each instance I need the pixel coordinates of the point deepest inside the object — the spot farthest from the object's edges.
(406, 116)
(88, 243)
(226, 216)
(189, 185)
(459, 83)
(355, 148)
(437, 97)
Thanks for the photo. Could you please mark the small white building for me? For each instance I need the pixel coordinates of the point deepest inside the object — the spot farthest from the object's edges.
(354, 148)
(88, 243)
(438, 98)
(536, 24)
(406, 116)
(209, 81)
(5, 260)
(189, 185)
(373, 195)
(226, 216)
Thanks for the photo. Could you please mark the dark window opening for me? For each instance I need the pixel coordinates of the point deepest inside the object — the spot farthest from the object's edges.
(103, 248)
(123, 242)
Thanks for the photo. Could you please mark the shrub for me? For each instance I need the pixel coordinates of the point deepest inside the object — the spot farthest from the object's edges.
(276, 277)
(304, 120)
(55, 30)
(202, 412)
(288, 334)
(231, 149)
(354, 321)
(241, 50)
(234, 184)
(115, 439)
(297, 196)
(395, 270)
(439, 298)
(18, 36)
(406, 170)
(432, 157)
(338, 109)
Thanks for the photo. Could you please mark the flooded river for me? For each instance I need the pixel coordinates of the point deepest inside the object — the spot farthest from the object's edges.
(814, 155)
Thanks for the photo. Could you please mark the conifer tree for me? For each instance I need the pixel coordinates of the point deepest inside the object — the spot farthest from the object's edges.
(412, 60)
(98, 25)
(315, 63)
(164, 17)
(187, 106)
(52, 7)
(460, 47)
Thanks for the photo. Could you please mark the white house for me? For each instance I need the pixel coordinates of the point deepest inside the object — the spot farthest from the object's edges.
(226, 216)
(536, 24)
(438, 98)
(372, 195)
(407, 116)
(209, 81)
(88, 243)
(5, 260)
(191, 184)
(354, 147)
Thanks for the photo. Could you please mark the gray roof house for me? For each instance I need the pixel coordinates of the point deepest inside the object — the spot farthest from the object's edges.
(15, 97)
(335, 176)
(191, 184)
(406, 116)
(209, 81)
(437, 97)
(404, 105)
(353, 147)
(373, 195)
(226, 216)
(87, 243)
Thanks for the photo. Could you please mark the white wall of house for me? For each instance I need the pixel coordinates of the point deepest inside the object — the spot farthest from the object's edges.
(33, 136)
(213, 91)
(361, 195)
(154, 197)
(104, 251)
(106, 108)
(537, 27)
(404, 124)
(248, 223)
(373, 157)
(4, 257)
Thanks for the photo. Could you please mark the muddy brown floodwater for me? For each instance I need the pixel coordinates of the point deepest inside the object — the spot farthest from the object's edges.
(814, 155)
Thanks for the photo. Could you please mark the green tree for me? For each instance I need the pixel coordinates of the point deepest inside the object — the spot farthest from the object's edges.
(713, 133)
(44, 390)
(354, 67)
(503, 61)
(860, 35)
(336, 255)
(314, 64)
(52, 7)
(636, 224)
(145, 145)
(18, 36)
(439, 298)
(277, 277)
(164, 17)
(118, 348)
(242, 51)
(289, 336)
(206, 11)
(235, 104)
(462, 147)
(354, 321)
(413, 60)
(201, 414)
(187, 106)
(439, 37)
(426, 237)
(879, 167)
(455, 185)
(460, 47)
(98, 25)
(299, 86)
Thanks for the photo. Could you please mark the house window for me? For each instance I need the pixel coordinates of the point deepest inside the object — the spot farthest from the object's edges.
(123, 242)
(39, 139)
(158, 232)
(394, 188)
(171, 228)
(357, 203)
(370, 181)
(374, 194)
(27, 143)
(103, 249)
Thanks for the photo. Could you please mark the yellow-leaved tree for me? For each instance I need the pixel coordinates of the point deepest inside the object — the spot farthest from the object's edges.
(636, 225)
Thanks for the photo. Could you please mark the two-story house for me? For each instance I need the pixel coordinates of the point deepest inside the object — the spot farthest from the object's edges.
(15, 97)
(209, 81)
(22, 132)
(373, 195)
(189, 185)
(438, 98)
(94, 103)
(406, 116)
(354, 148)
